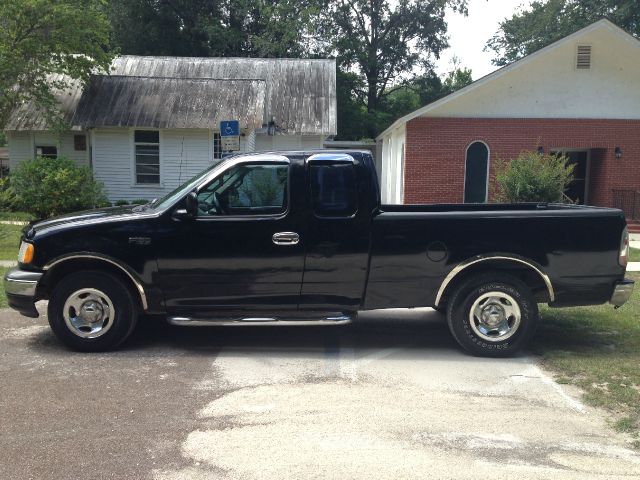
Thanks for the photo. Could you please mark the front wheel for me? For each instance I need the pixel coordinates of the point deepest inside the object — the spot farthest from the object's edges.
(492, 315)
(92, 311)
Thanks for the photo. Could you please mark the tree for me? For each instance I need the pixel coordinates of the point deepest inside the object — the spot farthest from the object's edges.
(244, 28)
(386, 43)
(533, 177)
(544, 22)
(41, 38)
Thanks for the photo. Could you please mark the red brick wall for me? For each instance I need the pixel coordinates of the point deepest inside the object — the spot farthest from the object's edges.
(435, 152)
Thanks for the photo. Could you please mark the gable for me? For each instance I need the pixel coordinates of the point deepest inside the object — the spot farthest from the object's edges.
(552, 86)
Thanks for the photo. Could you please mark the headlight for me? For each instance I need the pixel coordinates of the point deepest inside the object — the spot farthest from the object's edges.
(26, 253)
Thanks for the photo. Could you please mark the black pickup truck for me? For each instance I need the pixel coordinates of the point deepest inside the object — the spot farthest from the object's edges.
(301, 238)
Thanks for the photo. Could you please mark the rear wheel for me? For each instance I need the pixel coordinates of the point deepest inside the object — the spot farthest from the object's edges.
(492, 315)
(92, 311)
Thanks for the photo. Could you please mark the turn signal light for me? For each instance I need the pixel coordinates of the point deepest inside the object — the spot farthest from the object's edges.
(26, 253)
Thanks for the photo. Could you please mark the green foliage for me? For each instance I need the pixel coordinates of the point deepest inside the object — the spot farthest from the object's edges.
(104, 204)
(544, 22)
(121, 203)
(8, 199)
(533, 177)
(40, 38)
(52, 186)
(3, 139)
(385, 42)
(139, 201)
(255, 28)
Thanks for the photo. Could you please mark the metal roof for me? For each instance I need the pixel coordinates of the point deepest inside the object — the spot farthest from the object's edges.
(299, 95)
(169, 102)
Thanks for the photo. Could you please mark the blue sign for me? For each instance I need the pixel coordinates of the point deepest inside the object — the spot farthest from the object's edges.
(230, 128)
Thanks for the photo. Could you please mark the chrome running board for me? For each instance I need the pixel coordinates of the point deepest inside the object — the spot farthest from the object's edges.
(266, 321)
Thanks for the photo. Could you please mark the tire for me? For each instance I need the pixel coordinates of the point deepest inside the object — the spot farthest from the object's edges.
(505, 319)
(110, 311)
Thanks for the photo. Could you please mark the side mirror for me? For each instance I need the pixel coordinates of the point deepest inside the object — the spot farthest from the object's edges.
(191, 203)
(191, 208)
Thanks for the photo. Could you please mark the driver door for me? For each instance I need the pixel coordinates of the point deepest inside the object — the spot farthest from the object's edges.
(243, 250)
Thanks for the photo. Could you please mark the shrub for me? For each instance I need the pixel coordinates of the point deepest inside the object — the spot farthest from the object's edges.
(121, 203)
(139, 201)
(533, 177)
(104, 204)
(8, 198)
(52, 186)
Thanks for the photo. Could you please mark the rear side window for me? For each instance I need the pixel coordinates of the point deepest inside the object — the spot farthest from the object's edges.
(333, 189)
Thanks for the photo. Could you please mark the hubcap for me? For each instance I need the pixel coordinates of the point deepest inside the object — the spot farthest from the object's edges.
(495, 316)
(88, 313)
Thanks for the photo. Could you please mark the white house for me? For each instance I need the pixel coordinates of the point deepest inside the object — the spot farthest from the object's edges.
(154, 121)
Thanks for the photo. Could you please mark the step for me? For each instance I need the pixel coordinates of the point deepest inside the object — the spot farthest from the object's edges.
(633, 227)
(263, 321)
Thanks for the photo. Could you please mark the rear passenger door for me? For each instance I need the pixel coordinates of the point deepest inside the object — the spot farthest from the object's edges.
(337, 237)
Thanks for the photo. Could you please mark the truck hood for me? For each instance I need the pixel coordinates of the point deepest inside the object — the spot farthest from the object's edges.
(71, 219)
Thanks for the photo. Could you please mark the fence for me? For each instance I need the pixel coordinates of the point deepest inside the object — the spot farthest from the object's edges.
(629, 202)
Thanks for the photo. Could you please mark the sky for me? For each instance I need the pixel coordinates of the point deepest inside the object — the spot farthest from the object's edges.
(469, 35)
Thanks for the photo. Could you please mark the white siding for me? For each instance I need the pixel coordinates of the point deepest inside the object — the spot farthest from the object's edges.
(20, 147)
(183, 154)
(392, 171)
(276, 143)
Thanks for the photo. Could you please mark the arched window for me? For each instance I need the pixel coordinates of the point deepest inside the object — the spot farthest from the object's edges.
(476, 173)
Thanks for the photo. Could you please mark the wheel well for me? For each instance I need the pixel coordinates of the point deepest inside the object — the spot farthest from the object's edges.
(532, 278)
(53, 275)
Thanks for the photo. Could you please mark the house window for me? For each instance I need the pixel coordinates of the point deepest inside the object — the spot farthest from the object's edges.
(80, 143)
(47, 151)
(147, 154)
(217, 146)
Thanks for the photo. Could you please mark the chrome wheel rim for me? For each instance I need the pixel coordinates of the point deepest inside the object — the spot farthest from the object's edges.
(88, 313)
(495, 316)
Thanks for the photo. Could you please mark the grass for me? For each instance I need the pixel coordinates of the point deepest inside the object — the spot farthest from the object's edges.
(634, 254)
(3, 297)
(16, 216)
(9, 241)
(598, 349)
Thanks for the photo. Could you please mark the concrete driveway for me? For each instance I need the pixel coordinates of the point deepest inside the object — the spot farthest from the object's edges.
(388, 398)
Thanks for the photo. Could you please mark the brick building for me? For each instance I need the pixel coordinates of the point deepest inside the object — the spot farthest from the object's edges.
(579, 96)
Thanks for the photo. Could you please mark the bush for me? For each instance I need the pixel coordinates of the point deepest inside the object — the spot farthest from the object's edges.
(533, 177)
(52, 186)
(121, 203)
(8, 198)
(139, 201)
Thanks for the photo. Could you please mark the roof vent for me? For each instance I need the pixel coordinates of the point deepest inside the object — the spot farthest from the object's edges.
(583, 59)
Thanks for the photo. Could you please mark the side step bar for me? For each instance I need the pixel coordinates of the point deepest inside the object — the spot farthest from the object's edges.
(253, 321)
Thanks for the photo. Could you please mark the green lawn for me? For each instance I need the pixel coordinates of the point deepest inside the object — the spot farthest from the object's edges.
(9, 241)
(3, 297)
(17, 216)
(598, 349)
(634, 254)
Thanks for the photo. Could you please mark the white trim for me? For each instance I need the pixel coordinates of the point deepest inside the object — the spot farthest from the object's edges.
(604, 23)
(464, 185)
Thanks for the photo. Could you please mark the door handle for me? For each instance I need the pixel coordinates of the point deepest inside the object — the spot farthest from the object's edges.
(285, 238)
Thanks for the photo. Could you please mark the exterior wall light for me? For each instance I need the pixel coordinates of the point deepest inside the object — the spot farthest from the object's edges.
(618, 153)
(271, 127)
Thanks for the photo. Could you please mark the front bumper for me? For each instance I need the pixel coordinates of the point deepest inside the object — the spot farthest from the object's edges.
(20, 287)
(622, 292)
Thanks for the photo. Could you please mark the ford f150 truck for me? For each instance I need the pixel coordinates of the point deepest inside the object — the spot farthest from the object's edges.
(301, 238)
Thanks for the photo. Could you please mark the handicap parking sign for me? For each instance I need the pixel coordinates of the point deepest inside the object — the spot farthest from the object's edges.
(230, 128)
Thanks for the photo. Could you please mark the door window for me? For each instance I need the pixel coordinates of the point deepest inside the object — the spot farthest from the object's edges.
(247, 189)
(333, 189)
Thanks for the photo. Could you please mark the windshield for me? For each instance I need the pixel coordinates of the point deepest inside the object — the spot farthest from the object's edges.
(173, 196)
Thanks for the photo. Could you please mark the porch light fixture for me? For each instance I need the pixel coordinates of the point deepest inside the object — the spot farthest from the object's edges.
(541, 150)
(618, 153)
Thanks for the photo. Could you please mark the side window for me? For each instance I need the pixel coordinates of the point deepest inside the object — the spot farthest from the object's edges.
(333, 189)
(47, 151)
(248, 189)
